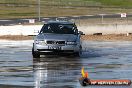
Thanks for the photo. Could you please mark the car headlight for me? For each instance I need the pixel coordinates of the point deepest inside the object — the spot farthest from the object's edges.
(41, 42)
(71, 43)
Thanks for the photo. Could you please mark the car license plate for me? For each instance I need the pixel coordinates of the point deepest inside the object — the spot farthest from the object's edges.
(55, 47)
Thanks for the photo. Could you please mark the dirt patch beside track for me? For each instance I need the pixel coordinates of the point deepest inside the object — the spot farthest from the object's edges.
(16, 37)
(113, 37)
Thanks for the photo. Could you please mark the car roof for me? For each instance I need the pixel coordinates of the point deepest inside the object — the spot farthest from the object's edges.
(60, 22)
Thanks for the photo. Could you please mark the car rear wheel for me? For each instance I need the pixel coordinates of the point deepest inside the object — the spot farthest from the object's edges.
(35, 54)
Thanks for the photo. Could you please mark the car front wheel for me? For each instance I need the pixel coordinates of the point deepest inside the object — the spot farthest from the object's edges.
(35, 54)
(79, 52)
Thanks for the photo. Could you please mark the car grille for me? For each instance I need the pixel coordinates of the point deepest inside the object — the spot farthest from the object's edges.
(56, 42)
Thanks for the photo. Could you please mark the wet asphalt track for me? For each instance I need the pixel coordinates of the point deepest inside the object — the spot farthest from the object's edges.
(103, 60)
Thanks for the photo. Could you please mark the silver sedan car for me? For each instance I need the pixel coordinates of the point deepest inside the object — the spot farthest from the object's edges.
(57, 37)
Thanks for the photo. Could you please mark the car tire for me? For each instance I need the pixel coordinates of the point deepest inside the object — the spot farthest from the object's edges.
(35, 54)
(78, 54)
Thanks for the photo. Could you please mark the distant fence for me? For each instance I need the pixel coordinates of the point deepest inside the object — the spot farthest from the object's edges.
(106, 29)
(90, 29)
(20, 30)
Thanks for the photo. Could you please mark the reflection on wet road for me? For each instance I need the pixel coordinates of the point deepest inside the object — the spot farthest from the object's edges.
(16, 64)
(59, 72)
(103, 60)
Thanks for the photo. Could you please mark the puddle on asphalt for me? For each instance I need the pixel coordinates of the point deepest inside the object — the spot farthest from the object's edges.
(103, 60)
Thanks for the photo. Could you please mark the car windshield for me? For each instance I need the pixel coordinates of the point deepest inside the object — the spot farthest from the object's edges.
(59, 28)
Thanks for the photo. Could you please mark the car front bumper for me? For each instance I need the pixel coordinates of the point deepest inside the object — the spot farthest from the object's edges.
(56, 48)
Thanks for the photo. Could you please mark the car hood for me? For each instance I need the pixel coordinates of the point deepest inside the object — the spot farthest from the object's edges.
(64, 37)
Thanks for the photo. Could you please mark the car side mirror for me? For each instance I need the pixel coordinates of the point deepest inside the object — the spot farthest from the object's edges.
(81, 33)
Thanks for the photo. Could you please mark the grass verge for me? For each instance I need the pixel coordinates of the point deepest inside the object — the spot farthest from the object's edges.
(49, 8)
